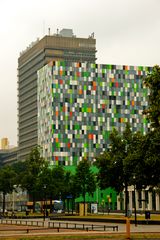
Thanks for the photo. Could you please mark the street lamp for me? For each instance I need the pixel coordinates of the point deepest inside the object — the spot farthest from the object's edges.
(135, 211)
(125, 142)
(44, 212)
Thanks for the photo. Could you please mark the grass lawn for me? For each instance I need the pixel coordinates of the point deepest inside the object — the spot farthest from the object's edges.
(102, 216)
(117, 216)
(81, 237)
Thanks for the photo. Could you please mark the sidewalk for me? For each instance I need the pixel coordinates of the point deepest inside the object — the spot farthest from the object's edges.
(121, 226)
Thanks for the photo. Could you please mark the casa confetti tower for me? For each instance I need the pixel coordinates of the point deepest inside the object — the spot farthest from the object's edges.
(80, 103)
(61, 46)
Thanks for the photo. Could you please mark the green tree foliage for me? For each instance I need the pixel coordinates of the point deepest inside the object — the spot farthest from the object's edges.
(7, 181)
(152, 81)
(34, 165)
(118, 164)
(151, 155)
(20, 169)
(134, 163)
(85, 181)
(70, 191)
(51, 183)
(111, 163)
(152, 144)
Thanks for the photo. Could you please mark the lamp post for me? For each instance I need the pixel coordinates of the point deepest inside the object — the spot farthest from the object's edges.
(135, 211)
(13, 200)
(126, 178)
(44, 212)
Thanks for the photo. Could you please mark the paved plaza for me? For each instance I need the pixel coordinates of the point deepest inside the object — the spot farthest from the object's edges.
(17, 230)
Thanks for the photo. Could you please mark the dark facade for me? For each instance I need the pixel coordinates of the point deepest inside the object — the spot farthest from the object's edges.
(8, 156)
(38, 54)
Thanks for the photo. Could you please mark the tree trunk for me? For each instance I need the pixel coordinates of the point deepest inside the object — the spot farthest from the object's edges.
(84, 198)
(68, 205)
(63, 203)
(72, 204)
(4, 202)
(126, 199)
(51, 207)
(34, 201)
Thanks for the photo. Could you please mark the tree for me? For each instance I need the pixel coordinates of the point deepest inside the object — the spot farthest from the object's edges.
(134, 163)
(152, 153)
(152, 81)
(53, 179)
(7, 181)
(19, 169)
(115, 164)
(152, 159)
(84, 179)
(34, 165)
(70, 190)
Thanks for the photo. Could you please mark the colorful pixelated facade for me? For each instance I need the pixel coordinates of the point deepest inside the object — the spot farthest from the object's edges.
(80, 103)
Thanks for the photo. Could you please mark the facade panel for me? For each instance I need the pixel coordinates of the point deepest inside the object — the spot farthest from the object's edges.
(80, 103)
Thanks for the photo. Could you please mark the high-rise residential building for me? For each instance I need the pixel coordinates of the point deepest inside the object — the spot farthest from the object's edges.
(80, 103)
(61, 46)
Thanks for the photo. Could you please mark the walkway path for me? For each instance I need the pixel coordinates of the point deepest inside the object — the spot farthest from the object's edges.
(40, 231)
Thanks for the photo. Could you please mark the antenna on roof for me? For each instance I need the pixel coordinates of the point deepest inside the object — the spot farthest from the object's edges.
(92, 35)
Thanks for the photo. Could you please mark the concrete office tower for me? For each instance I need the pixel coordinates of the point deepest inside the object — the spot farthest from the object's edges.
(61, 46)
(80, 103)
(4, 143)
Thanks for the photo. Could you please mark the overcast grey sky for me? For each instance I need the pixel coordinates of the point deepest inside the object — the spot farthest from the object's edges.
(127, 33)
